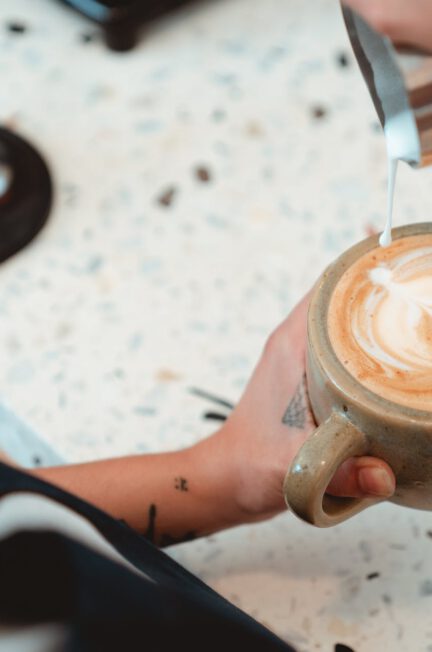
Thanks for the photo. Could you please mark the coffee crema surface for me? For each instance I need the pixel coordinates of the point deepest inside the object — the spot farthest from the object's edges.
(380, 321)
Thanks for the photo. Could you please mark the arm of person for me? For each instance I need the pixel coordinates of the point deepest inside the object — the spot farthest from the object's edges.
(236, 475)
(168, 497)
(406, 22)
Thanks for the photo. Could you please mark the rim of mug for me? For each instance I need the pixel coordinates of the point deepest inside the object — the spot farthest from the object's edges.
(318, 331)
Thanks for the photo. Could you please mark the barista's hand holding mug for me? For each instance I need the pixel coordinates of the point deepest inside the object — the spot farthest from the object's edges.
(369, 375)
(256, 445)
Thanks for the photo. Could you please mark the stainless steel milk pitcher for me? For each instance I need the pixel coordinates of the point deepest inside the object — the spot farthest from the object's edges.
(399, 82)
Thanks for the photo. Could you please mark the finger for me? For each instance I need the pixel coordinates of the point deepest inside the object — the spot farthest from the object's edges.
(404, 22)
(363, 476)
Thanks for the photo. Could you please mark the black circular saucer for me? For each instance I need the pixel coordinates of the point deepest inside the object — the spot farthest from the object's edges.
(25, 193)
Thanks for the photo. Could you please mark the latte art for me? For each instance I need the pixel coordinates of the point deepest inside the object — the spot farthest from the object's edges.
(380, 321)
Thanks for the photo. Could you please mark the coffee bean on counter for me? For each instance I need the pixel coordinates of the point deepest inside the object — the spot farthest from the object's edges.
(203, 174)
(166, 198)
(318, 112)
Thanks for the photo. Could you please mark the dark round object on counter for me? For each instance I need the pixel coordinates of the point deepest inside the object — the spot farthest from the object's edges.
(25, 193)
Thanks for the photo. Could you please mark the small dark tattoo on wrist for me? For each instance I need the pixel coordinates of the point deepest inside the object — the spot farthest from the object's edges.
(181, 484)
(297, 414)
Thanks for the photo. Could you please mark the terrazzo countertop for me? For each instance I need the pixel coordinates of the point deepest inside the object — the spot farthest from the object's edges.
(203, 181)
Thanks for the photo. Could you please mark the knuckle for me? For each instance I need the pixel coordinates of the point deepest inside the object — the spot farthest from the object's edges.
(275, 343)
(381, 20)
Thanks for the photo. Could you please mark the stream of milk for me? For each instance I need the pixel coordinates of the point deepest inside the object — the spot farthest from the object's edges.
(402, 145)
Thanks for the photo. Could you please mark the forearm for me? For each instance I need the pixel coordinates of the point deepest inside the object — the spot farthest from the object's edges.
(168, 497)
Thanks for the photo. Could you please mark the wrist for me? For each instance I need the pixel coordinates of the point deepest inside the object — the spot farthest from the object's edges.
(257, 473)
(234, 483)
(217, 477)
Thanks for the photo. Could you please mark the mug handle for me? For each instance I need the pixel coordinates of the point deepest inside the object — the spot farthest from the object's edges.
(332, 443)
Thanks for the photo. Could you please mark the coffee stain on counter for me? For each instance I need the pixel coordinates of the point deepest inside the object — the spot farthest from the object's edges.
(254, 129)
(341, 628)
(261, 215)
(167, 376)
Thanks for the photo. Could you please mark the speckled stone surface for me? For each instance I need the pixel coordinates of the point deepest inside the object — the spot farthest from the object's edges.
(203, 181)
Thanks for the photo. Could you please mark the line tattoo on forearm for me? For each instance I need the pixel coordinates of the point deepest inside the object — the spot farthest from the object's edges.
(150, 531)
(298, 414)
(164, 539)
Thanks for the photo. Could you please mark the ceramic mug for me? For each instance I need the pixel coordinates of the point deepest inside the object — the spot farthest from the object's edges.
(354, 421)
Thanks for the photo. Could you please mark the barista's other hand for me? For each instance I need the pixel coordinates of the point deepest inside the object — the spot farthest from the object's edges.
(261, 446)
(406, 22)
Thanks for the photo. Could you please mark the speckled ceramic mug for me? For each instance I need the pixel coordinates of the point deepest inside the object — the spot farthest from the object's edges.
(353, 420)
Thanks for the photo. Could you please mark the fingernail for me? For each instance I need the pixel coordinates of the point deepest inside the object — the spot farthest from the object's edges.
(376, 482)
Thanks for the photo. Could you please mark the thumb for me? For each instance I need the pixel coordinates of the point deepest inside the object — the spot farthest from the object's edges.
(407, 23)
(363, 476)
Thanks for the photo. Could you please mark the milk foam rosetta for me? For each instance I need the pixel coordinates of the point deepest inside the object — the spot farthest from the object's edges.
(380, 321)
